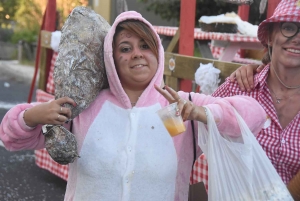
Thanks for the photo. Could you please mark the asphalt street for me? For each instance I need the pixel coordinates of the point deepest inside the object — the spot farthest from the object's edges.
(20, 178)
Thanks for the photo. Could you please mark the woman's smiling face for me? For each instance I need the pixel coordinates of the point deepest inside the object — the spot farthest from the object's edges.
(136, 64)
(285, 50)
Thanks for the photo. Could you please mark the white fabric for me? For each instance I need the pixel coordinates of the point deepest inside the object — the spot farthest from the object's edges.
(118, 169)
(246, 28)
(207, 77)
(243, 27)
(55, 40)
(238, 168)
(222, 18)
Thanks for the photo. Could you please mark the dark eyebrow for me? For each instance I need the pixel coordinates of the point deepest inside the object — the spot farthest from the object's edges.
(123, 42)
(127, 42)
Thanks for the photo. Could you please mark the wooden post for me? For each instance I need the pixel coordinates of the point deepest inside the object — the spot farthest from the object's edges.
(186, 66)
(121, 6)
(243, 12)
(186, 40)
(173, 47)
(48, 24)
(272, 4)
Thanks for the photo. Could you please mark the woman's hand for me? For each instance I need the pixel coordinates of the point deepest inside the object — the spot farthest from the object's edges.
(49, 113)
(244, 76)
(185, 108)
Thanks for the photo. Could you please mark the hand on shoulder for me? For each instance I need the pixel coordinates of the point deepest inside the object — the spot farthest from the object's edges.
(244, 76)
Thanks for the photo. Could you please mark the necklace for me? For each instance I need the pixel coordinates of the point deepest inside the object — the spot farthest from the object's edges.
(286, 86)
(278, 100)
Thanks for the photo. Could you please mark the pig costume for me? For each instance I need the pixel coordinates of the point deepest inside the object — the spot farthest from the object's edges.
(126, 152)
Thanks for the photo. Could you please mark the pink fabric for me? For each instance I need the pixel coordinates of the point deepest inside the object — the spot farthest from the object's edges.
(16, 138)
(16, 135)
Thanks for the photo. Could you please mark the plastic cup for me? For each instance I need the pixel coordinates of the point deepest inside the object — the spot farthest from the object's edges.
(174, 124)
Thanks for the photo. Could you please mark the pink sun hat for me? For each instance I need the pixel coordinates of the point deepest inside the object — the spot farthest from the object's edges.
(286, 11)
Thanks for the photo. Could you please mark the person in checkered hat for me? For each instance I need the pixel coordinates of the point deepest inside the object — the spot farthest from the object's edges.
(276, 87)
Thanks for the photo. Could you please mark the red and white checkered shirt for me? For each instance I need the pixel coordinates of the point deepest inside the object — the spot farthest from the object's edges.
(42, 158)
(50, 82)
(282, 146)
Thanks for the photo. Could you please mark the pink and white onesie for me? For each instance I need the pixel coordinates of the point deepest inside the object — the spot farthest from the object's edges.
(126, 152)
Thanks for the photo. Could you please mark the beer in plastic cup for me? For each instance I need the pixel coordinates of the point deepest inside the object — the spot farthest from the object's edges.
(174, 124)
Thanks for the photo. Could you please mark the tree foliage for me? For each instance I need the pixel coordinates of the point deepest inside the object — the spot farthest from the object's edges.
(28, 19)
(27, 16)
(8, 9)
(64, 8)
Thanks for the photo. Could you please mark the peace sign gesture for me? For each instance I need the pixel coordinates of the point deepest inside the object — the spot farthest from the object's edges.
(185, 108)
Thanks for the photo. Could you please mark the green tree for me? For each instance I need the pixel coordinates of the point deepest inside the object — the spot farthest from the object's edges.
(8, 9)
(28, 18)
(29, 15)
(7, 13)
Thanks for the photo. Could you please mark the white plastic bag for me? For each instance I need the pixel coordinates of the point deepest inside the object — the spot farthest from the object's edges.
(238, 168)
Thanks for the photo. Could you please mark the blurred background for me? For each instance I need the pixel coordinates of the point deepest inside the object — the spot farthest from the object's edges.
(20, 20)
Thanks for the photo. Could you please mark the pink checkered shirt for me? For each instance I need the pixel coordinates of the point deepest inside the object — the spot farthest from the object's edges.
(42, 158)
(281, 145)
(50, 82)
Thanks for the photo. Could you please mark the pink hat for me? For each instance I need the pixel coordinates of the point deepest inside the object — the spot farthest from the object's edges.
(286, 11)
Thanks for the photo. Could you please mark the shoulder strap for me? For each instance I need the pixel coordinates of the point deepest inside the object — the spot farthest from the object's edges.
(71, 126)
(194, 135)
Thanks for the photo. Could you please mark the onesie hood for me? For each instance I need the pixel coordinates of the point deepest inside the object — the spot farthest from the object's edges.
(150, 95)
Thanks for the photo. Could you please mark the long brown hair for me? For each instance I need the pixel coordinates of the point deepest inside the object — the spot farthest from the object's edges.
(267, 57)
(142, 30)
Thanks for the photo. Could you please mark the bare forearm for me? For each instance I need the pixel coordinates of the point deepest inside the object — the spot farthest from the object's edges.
(198, 114)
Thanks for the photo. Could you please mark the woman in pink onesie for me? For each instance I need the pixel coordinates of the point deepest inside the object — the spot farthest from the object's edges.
(126, 152)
